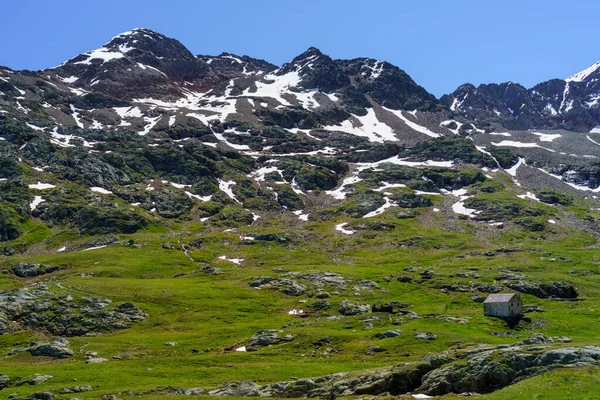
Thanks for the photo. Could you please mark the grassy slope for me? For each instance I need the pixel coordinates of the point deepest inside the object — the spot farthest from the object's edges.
(206, 314)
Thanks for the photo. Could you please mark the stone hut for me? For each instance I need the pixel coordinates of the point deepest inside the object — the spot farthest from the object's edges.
(507, 305)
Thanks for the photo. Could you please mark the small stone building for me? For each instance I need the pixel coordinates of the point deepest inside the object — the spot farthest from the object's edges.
(508, 305)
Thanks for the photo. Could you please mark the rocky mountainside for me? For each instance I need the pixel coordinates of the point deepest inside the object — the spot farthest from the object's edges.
(165, 211)
(571, 104)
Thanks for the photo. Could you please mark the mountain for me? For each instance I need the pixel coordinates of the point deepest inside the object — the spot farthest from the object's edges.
(570, 104)
(172, 216)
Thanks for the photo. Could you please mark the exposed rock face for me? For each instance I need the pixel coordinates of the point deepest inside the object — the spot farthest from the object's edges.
(27, 270)
(485, 370)
(569, 104)
(553, 289)
(57, 348)
(286, 286)
(494, 369)
(37, 308)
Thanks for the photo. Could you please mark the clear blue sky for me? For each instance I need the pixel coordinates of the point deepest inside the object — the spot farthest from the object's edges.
(440, 43)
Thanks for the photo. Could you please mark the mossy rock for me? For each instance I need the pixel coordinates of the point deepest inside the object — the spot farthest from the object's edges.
(364, 203)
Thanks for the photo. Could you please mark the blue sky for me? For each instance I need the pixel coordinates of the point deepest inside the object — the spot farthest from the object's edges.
(440, 43)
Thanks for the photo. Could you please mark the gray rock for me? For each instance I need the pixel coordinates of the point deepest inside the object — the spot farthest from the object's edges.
(241, 389)
(208, 270)
(97, 360)
(425, 336)
(563, 339)
(42, 396)
(366, 284)
(191, 392)
(489, 369)
(389, 334)
(427, 274)
(348, 308)
(487, 288)
(27, 270)
(375, 349)
(320, 305)
(39, 379)
(4, 381)
(77, 389)
(287, 286)
(553, 289)
(57, 348)
(267, 337)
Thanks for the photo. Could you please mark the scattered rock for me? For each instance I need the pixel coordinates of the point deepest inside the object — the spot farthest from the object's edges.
(563, 339)
(425, 336)
(39, 379)
(76, 389)
(57, 348)
(97, 360)
(366, 284)
(208, 270)
(389, 334)
(392, 307)
(553, 289)
(4, 381)
(27, 270)
(190, 392)
(404, 279)
(427, 274)
(241, 389)
(63, 315)
(320, 305)
(42, 396)
(375, 349)
(287, 286)
(487, 287)
(267, 337)
(348, 308)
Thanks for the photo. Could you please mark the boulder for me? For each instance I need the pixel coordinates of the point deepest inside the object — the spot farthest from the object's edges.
(553, 289)
(42, 396)
(57, 348)
(389, 334)
(425, 336)
(348, 308)
(320, 305)
(287, 286)
(27, 270)
(39, 379)
(267, 337)
(4, 381)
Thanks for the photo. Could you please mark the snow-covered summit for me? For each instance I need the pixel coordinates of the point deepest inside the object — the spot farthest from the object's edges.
(583, 75)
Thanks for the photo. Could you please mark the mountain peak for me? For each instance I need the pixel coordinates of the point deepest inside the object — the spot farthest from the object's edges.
(583, 75)
(311, 54)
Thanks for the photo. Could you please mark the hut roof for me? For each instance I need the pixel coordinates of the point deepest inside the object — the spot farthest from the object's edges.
(500, 298)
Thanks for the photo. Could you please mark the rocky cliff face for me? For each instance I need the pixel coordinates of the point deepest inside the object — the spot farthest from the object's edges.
(571, 104)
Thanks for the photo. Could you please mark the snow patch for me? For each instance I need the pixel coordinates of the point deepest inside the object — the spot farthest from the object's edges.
(412, 125)
(100, 190)
(236, 261)
(42, 186)
(370, 127)
(37, 200)
(226, 187)
(340, 227)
